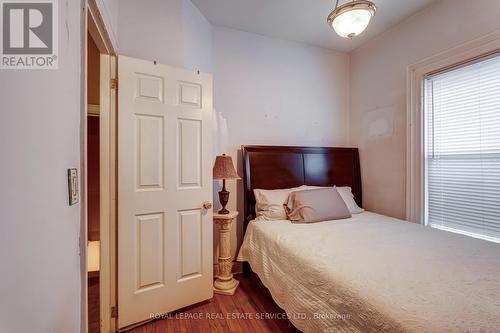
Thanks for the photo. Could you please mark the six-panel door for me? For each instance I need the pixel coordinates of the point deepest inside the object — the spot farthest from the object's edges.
(164, 177)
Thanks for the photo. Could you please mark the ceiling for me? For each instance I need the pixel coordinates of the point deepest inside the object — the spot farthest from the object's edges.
(303, 20)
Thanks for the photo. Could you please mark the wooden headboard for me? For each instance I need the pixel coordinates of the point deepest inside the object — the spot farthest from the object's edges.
(276, 167)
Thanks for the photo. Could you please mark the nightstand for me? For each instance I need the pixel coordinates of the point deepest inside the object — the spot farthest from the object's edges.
(225, 283)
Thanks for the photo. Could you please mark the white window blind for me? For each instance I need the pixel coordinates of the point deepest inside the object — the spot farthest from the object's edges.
(462, 115)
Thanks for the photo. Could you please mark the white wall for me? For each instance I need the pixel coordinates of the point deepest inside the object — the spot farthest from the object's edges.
(172, 32)
(378, 90)
(109, 13)
(276, 92)
(39, 141)
(197, 34)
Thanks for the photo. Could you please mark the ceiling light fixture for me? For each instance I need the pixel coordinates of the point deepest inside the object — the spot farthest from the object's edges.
(352, 18)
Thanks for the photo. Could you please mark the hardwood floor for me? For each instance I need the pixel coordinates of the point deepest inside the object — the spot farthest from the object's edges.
(93, 299)
(243, 312)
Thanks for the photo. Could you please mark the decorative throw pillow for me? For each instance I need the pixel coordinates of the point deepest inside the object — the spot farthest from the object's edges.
(346, 194)
(316, 205)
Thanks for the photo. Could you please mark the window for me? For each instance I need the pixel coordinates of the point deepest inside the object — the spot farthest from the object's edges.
(462, 149)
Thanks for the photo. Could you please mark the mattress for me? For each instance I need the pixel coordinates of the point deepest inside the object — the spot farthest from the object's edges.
(373, 273)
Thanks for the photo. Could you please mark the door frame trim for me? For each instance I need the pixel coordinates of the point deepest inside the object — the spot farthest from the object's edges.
(94, 25)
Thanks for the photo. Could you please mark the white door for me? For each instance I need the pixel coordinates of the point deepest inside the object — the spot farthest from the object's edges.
(164, 178)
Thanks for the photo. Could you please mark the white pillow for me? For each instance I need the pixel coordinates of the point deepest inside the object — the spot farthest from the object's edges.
(346, 194)
(269, 203)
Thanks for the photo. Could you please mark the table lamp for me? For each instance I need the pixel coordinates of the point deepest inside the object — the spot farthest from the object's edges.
(224, 169)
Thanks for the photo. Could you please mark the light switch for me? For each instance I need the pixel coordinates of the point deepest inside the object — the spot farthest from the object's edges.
(73, 186)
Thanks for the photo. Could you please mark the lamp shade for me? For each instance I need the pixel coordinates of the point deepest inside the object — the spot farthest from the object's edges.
(224, 168)
(351, 18)
(352, 23)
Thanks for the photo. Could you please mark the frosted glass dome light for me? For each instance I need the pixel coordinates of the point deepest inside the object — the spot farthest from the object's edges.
(352, 18)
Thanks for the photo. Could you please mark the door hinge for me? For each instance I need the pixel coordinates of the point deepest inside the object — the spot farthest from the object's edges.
(114, 312)
(114, 83)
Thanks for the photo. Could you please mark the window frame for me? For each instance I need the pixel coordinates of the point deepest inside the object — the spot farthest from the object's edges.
(426, 147)
(415, 116)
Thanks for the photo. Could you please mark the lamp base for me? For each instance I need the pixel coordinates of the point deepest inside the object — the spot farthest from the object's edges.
(223, 211)
(223, 198)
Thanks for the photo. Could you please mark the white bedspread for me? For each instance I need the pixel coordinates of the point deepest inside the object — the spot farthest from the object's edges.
(372, 273)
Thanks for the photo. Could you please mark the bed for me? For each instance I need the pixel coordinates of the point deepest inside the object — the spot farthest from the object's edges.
(369, 273)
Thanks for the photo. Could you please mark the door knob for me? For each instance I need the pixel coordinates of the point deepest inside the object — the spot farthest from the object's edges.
(207, 205)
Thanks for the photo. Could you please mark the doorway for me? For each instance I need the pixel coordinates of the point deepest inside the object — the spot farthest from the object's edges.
(93, 192)
(170, 130)
(99, 275)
